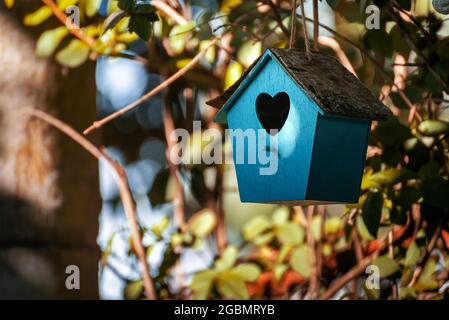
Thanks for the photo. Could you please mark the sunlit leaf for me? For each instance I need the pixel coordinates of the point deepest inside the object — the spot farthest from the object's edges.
(249, 52)
(75, 54)
(412, 255)
(232, 286)
(233, 73)
(300, 261)
(255, 227)
(9, 3)
(133, 290)
(203, 222)
(433, 127)
(201, 284)
(386, 265)
(49, 40)
(290, 234)
(159, 227)
(37, 17)
(92, 7)
(280, 215)
(247, 271)
(227, 259)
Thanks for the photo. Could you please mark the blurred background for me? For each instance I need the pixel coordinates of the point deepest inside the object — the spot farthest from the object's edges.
(59, 206)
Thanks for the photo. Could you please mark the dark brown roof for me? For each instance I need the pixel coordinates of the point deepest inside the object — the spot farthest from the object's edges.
(335, 90)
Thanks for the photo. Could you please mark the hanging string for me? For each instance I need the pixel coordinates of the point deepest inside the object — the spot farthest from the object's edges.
(304, 28)
(315, 26)
(293, 26)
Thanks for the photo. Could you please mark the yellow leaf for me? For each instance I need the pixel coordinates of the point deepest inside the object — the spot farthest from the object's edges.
(75, 54)
(92, 7)
(64, 4)
(9, 3)
(202, 284)
(227, 5)
(37, 17)
(203, 223)
(49, 41)
(300, 261)
(249, 52)
(232, 286)
(233, 73)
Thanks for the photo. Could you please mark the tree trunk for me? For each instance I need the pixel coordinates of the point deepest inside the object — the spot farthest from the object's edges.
(49, 198)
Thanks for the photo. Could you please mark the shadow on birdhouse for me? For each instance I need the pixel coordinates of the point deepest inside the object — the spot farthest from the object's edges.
(320, 115)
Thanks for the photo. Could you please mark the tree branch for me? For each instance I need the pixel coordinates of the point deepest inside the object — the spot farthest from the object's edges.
(122, 183)
(153, 92)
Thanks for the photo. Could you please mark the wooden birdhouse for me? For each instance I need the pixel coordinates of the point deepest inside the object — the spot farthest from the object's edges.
(323, 115)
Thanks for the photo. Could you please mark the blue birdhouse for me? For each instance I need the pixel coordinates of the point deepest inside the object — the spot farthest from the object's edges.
(315, 116)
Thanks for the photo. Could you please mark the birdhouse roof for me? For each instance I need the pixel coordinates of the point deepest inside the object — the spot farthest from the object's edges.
(328, 83)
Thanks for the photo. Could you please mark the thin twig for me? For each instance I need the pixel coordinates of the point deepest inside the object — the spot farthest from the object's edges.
(169, 128)
(159, 88)
(168, 11)
(77, 32)
(278, 17)
(293, 25)
(122, 183)
(316, 31)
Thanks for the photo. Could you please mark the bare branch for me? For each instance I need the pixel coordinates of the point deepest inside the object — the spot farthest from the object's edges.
(122, 183)
(153, 92)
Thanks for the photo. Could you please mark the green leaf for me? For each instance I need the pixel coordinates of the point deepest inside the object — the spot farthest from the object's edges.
(160, 226)
(255, 227)
(133, 290)
(231, 286)
(113, 19)
(247, 271)
(201, 284)
(203, 222)
(37, 17)
(75, 54)
(363, 230)
(280, 215)
(179, 34)
(9, 3)
(372, 212)
(290, 234)
(379, 41)
(227, 259)
(141, 26)
(300, 260)
(425, 280)
(435, 192)
(92, 7)
(386, 265)
(433, 127)
(233, 73)
(412, 255)
(49, 40)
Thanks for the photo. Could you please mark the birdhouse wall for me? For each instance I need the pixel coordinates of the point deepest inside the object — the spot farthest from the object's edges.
(338, 159)
(295, 139)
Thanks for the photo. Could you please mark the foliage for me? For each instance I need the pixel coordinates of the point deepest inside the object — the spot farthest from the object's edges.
(401, 219)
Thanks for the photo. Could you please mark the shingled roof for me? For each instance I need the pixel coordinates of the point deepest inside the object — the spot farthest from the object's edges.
(334, 89)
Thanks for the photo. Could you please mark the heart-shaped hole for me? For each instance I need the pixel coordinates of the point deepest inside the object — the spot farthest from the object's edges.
(272, 111)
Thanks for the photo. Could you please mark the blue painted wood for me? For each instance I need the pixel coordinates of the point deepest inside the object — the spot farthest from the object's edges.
(338, 159)
(321, 158)
(295, 140)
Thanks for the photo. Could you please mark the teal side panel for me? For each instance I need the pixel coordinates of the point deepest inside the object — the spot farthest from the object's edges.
(338, 159)
(289, 177)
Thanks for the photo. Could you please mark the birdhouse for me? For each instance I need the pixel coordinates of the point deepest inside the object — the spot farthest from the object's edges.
(322, 116)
